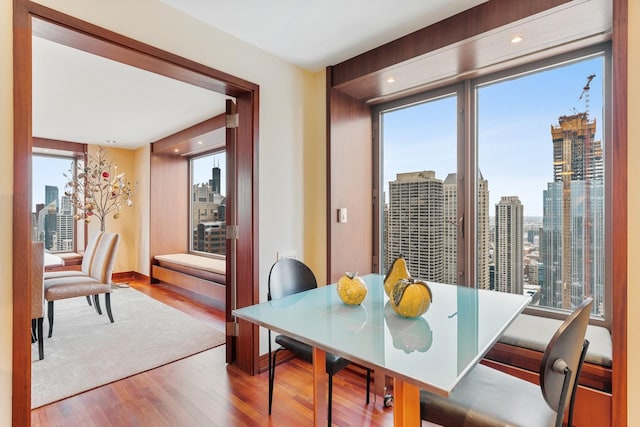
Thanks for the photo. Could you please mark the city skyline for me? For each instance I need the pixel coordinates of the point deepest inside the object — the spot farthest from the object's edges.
(514, 121)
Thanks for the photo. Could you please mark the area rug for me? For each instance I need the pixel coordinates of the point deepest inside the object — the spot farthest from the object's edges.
(87, 351)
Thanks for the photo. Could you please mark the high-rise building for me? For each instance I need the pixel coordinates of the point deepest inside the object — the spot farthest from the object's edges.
(572, 237)
(416, 223)
(65, 224)
(51, 196)
(208, 212)
(509, 245)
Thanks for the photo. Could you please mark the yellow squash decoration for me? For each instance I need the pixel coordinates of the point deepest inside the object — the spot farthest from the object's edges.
(410, 297)
(397, 271)
(351, 289)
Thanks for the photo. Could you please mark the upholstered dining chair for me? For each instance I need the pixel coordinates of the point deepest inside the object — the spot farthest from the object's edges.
(87, 262)
(289, 276)
(488, 397)
(37, 296)
(99, 282)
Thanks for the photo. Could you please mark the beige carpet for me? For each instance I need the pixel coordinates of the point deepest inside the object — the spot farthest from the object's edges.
(87, 351)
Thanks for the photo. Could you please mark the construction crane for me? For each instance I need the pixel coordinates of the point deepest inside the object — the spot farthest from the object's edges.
(587, 156)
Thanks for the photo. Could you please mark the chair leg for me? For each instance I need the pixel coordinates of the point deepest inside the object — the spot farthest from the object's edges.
(88, 300)
(96, 304)
(40, 321)
(368, 384)
(272, 376)
(33, 331)
(50, 316)
(107, 303)
(330, 400)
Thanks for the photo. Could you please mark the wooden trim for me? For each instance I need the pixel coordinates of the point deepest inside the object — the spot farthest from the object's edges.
(593, 376)
(79, 149)
(206, 288)
(471, 22)
(129, 276)
(185, 141)
(618, 187)
(22, 105)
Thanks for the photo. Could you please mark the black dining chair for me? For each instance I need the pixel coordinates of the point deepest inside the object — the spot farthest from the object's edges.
(289, 276)
(488, 397)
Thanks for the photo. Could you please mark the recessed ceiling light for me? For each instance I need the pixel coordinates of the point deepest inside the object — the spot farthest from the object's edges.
(200, 142)
(175, 150)
(391, 80)
(516, 39)
(111, 141)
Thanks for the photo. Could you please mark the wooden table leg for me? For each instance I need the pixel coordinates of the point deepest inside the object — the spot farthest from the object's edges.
(406, 404)
(319, 388)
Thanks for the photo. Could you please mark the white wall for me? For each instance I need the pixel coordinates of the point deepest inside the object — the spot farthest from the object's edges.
(286, 94)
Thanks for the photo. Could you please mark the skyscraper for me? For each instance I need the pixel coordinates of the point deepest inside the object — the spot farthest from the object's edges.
(572, 239)
(509, 245)
(416, 223)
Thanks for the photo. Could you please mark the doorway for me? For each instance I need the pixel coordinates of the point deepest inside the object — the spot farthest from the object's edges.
(30, 19)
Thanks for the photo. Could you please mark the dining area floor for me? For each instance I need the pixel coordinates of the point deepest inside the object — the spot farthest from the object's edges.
(202, 390)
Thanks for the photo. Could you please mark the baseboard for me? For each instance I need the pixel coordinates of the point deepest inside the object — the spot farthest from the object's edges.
(126, 276)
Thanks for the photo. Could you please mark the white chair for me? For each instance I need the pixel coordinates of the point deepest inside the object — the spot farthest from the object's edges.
(98, 283)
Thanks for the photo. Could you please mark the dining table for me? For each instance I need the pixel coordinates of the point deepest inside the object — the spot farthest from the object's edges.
(432, 352)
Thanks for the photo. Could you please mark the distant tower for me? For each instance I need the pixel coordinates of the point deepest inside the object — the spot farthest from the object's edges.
(416, 223)
(51, 195)
(215, 181)
(450, 260)
(509, 245)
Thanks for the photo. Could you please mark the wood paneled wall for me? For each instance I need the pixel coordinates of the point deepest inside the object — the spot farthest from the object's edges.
(350, 185)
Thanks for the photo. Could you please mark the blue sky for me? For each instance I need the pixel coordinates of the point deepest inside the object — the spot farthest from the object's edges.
(514, 131)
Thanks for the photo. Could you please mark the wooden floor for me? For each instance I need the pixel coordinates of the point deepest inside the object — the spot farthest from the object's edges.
(202, 390)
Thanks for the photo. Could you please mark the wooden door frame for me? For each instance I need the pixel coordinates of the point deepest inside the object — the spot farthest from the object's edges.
(71, 31)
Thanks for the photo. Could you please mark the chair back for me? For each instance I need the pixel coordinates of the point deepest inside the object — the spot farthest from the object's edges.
(564, 351)
(90, 252)
(37, 280)
(104, 258)
(289, 276)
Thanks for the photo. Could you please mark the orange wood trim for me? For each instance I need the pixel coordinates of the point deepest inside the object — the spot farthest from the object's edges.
(21, 361)
(79, 149)
(194, 284)
(594, 376)
(472, 22)
(126, 276)
(619, 218)
(185, 141)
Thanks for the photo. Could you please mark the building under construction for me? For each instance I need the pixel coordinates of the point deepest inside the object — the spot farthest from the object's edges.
(572, 238)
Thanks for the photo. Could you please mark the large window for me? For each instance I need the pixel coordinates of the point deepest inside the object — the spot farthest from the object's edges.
(517, 162)
(52, 212)
(208, 204)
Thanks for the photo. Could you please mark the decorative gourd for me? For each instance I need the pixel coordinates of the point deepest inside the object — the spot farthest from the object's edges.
(397, 271)
(351, 289)
(410, 297)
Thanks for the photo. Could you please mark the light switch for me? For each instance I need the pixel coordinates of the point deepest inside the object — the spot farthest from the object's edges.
(342, 215)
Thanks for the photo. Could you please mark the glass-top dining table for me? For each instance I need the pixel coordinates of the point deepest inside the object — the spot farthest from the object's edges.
(431, 352)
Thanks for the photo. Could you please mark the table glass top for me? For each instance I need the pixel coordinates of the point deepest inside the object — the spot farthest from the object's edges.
(433, 351)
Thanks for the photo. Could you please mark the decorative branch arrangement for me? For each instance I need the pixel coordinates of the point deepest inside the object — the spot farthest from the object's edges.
(97, 189)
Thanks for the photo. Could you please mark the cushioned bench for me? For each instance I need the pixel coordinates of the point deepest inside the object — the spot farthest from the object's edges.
(534, 332)
(524, 342)
(202, 275)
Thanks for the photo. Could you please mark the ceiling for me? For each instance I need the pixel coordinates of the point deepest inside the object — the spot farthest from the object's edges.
(81, 97)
